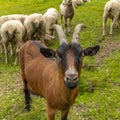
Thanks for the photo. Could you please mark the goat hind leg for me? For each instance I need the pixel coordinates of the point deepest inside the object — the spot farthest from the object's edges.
(27, 96)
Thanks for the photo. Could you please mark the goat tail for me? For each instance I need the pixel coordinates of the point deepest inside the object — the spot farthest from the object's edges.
(76, 34)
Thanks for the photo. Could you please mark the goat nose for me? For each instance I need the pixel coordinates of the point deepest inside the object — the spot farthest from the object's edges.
(71, 80)
(73, 77)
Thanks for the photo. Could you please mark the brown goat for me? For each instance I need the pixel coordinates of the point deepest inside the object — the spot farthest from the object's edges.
(53, 74)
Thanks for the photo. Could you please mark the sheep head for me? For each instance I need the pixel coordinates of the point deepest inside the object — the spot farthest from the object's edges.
(67, 2)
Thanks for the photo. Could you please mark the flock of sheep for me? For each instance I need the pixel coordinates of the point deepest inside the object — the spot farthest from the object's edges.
(18, 28)
(57, 81)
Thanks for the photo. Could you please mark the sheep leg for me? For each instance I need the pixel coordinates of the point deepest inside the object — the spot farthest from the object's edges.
(50, 113)
(64, 114)
(117, 23)
(11, 49)
(2, 48)
(17, 48)
(61, 20)
(16, 57)
(105, 17)
(6, 52)
(112, 24)
(29, 35)
(27, 96)
(69, 25)
(65, 24)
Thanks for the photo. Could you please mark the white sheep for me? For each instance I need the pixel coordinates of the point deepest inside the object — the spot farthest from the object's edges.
(50, 17)
(79, 2)
(35, 26)
(5, 18)
(111, 11)
(12, 32)
(66, 11)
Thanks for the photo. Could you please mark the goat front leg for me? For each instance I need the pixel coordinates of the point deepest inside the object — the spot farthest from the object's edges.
(50, 113)
(64, 114)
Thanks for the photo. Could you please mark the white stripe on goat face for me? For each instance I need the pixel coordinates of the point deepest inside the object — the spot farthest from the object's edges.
(72, 72)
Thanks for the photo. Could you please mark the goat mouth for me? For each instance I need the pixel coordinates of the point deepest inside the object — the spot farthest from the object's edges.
(71, 85)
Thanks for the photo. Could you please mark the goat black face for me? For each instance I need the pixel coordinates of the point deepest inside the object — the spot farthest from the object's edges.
(71, 58)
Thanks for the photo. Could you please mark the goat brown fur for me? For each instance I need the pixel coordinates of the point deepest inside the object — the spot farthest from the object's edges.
(45, 77)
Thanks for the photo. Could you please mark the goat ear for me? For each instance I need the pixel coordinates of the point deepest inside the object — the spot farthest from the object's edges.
(90, 51)
(47, 52)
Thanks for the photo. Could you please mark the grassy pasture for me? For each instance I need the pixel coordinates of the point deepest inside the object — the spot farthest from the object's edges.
(99, 96)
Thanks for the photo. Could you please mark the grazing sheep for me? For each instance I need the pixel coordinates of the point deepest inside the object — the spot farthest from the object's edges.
(112, 11)
(35, 26)
(13, 33)
(79, 2)
(51, 17)
(53, 75)
(66, 11)
(5, 18)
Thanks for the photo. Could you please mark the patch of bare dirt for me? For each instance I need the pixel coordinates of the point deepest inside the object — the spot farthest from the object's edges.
(108, 47)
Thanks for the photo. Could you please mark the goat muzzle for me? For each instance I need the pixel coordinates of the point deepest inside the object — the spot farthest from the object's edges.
(71, 80)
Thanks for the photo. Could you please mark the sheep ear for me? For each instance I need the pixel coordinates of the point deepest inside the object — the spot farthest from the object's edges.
(47, 52)
(90, 51)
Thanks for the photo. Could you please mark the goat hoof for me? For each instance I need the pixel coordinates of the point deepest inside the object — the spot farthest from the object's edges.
(27, 108)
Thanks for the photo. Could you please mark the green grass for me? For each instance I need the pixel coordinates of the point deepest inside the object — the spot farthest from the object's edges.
(99, 96)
